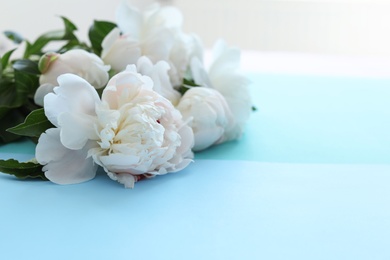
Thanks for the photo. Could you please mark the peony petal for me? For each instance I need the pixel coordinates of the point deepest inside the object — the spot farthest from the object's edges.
(226, 59)
(187, 141)
(125, 86)
(207, 137)
(167, 16)
(234, 87)
(41, 92)
(62, 165)
(77, 129)
(126, 179)
(159, 74)
(119, 51)
(119, 161)
(109, 41)
(199, 73)
(158, 45)
(74, 95)
(49, 147)
(129, 20)
(209, 113)
(87, 65)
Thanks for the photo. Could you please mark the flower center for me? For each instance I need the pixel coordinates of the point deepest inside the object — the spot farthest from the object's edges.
(106, 137)
(138, 128)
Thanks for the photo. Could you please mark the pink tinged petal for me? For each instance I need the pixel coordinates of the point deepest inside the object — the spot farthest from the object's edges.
(85, 64)
(74, 95)
(62, 165)
(58, 68)
(125, 86)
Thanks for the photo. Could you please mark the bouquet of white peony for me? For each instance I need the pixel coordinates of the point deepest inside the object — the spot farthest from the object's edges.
(136, 101)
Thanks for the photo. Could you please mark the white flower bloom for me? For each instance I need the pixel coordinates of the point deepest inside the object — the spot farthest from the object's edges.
(119, 51)
(80, 62)
(63, 165)
(156, 34)
(210, 114)
(130, 132)
(223, 76)
(184, 49)
(159, 74)
(226, 78)
(144, 34)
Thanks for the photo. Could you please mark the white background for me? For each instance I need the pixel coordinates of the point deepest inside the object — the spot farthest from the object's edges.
(348, 27)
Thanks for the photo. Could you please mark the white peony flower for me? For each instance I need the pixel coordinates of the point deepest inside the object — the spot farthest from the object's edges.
(210, 114)
(226, 78)
(144, 34)
(130, 132)
(159, 74)
(119, 51)
(156, 34)
(80, 62)
(183, 50)
(223, 75)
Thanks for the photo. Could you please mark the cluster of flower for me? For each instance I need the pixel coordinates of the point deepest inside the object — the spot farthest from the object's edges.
(160, 106)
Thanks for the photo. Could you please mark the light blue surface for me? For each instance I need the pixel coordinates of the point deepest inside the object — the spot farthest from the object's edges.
(211, 210)
(231, 209)
(311, 119)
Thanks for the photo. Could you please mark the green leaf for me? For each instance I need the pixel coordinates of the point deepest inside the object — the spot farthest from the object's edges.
(35, 124)
(27, 66)
(69, 27)
(5, 59)
(9, 119)
(42, 41)
(74, 44)
(10, 95)
(14, 93)
(22, 170)
(26, 78)
(15, 37)
(190, 82)
(97, 32)
(187, 84)
(67, 34)
(3, 112)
